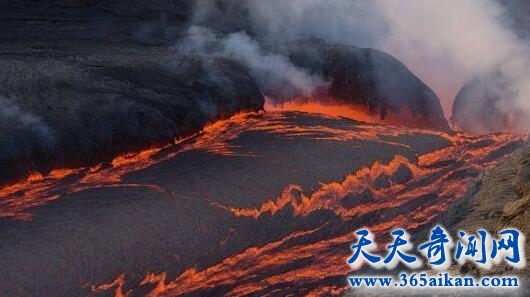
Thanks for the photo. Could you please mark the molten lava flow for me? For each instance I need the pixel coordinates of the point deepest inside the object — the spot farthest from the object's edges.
(409, 190)
(365, 179)
(37, 190)
(335, 108)
(117, 285)
(403, 192)
(317, 107)
(408, 202)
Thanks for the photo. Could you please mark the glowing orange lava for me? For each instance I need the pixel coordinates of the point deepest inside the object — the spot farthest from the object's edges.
(314, 106)
(37, 190)
(405, 191)
(330, 107)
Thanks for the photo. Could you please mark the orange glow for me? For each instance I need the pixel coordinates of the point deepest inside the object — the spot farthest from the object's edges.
(405, 204)
(360, 113)
(395, 204)
(117, 285)
(314, 106)
(18, 198)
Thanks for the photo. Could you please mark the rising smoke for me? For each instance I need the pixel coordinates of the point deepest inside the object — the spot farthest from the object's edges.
(24, 137)
(273, 72)
(12, 116)
(446, 43)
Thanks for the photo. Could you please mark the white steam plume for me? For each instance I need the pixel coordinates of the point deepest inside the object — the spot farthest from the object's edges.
(275, 74)
(445, 42)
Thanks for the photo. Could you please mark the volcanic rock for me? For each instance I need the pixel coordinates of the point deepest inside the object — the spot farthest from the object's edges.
(354, 199)
(82, 105)
(500, 200)
(83, 81)
(193, 212)
(402, 175)
(119, 21)
(485, 105)
(370, 79)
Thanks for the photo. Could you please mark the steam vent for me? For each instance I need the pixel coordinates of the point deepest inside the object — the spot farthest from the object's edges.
(485, 105)
(370, 80)
(235, 148)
